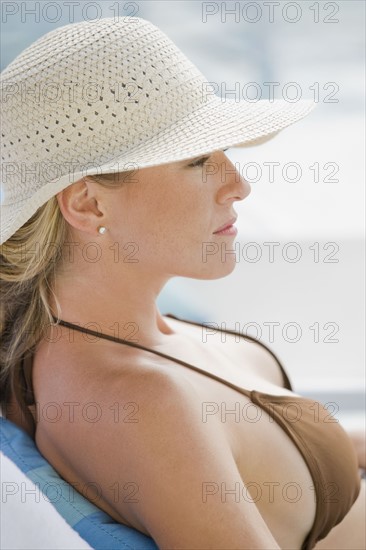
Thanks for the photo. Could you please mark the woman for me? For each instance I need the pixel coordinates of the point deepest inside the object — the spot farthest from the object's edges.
(129, 186)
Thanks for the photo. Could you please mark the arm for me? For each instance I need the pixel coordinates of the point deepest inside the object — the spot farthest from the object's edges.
(175, 461)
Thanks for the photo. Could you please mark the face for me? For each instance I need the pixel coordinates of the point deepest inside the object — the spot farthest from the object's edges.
(170, 213)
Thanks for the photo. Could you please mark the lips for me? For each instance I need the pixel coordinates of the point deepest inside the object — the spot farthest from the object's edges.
(227, 224)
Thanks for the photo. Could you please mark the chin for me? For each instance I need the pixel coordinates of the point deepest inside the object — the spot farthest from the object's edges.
(223, 271)
(214, 269)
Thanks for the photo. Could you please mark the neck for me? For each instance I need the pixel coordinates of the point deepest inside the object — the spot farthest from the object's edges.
(122, 306)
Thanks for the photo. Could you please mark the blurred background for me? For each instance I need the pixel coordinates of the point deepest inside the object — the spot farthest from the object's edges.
(307, 184)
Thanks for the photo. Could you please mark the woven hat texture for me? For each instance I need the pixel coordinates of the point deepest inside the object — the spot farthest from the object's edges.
(110, 96)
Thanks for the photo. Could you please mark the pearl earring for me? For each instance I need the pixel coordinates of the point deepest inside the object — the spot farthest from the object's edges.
(101, 229)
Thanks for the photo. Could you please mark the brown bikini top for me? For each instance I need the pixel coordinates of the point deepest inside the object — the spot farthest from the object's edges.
(323, 443)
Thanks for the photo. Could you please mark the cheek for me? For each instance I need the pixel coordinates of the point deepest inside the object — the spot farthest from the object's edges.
(150, 222)
(163, 212)
(168, 221)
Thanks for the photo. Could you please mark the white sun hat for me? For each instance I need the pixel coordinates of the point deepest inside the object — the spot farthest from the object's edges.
(109, 96)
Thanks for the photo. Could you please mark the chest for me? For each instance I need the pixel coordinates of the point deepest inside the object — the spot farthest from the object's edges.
(275, 475)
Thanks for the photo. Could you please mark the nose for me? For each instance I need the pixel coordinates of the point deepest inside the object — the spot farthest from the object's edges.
(233, 185)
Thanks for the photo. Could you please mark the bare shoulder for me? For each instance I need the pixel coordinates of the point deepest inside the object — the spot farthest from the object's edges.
(159, 467)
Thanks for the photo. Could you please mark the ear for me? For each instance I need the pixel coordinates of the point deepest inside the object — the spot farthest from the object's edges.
(81, 208)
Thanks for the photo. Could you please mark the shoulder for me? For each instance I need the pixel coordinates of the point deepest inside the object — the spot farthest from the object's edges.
(129, 428)
(97, 389)
(166, 464)
(136, 431)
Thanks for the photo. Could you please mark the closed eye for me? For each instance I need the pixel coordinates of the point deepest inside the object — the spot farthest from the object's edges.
(199, 162)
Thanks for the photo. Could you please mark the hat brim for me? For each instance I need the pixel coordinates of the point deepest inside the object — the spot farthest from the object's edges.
(218, 124)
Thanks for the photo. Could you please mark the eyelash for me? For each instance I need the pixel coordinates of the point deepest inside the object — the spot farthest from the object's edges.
(199, 162)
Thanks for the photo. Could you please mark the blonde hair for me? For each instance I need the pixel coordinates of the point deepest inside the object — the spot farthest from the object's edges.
(28, 263)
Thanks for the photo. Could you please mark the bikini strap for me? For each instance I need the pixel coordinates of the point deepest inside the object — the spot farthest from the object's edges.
(133, 344)
(286, 380)
(22, 388)
(27, 365)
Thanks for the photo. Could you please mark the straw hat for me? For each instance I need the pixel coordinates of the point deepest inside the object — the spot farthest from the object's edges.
(110, 96)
